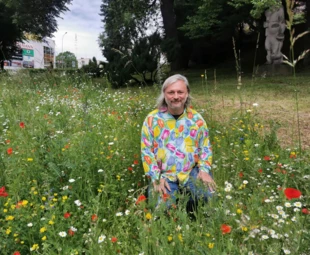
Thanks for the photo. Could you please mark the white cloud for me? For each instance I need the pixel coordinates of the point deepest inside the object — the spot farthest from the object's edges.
(83, 25)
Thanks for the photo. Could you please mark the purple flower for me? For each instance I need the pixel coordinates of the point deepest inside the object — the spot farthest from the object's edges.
(179, 141)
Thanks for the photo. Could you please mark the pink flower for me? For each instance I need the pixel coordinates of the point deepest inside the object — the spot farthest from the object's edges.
(165, 134)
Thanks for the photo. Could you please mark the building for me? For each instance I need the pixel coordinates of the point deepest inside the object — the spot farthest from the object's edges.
(83, 62)
(33, 54)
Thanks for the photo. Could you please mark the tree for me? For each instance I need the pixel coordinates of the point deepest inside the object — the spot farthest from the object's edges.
(93, 68)
(66, 59)
(27, 16)
(125, 23)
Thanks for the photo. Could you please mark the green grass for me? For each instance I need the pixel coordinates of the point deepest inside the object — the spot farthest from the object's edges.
(79, 153)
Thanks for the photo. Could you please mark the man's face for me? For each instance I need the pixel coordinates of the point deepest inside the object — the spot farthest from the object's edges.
(175, 97)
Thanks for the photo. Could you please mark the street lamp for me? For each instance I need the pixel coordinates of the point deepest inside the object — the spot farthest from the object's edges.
(62, 50)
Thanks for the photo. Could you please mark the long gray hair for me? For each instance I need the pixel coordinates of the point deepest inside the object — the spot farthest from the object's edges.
(161, 102)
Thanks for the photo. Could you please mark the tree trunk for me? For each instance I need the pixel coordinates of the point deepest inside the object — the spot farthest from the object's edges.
(179, 59)
(306, 61)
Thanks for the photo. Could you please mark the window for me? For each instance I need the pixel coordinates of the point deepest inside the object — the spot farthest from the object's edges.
(48, 56)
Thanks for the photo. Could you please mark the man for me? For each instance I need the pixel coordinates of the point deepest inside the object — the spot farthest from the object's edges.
(175, 146)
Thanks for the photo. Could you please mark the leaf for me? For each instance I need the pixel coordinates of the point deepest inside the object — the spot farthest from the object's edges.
(285, 56)
(299, 36)
(289, 63)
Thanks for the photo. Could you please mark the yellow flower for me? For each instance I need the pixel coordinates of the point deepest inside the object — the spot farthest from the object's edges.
(246, 158)
(34, 247)
(43, 198)
(42, 230)
(51, 222)
(29, 159)
(245, 229)
(10, 217)
(15, 235)
(13, 207)
(8, 231)
(202, 76)
(22, 242)
(43, 238)
(118, 177)
(55, 199)
(208, 235)
(180, 237)
(25, 202)
(148, 216)
(99, 190)
(239, 211)
(170, 238)
(5, 210)
(35, 192)
(55, 194)
(63, 149)
(64, 198)
(211, 245)
(42, 207)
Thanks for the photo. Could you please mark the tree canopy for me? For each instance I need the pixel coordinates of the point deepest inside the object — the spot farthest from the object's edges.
(27, 16)
(66, 59)
(197, 32)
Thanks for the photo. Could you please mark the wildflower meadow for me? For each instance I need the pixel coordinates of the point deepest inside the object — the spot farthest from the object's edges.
(72, 182)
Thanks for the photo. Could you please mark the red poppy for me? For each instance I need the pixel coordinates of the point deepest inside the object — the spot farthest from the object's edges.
(16, 253)
(241, 174)
(267, 158)
(67, 215)
(260, 171)
(114, 239)
(130, 168)
(94, 218)
(165, 197)
(9, 151)
(226, 229)
(70, 232)
(2, 192)
(291, 193)
(22, 125)
(305, 211)
(140, 199)
(136, 162)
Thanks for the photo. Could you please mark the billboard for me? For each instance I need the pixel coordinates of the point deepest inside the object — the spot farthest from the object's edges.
(33, 54)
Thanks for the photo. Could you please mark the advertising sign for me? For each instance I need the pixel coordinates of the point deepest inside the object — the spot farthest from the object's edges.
(28, 58)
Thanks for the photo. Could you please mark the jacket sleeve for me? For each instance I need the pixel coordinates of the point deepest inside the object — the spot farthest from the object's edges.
(205, 150)
(149, 162)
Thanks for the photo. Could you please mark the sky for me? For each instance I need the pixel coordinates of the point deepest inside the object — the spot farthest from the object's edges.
(83, 25)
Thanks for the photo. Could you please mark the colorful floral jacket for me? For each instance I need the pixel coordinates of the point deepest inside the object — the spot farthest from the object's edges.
(171, 148)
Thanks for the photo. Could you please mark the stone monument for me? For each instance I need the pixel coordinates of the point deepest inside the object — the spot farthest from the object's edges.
(274, 31)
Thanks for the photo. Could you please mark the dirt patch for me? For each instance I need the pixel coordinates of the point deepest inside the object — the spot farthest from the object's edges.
(270, 109)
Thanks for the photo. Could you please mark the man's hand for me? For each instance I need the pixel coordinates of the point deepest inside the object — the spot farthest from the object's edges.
(161, 186)
(207, 180)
